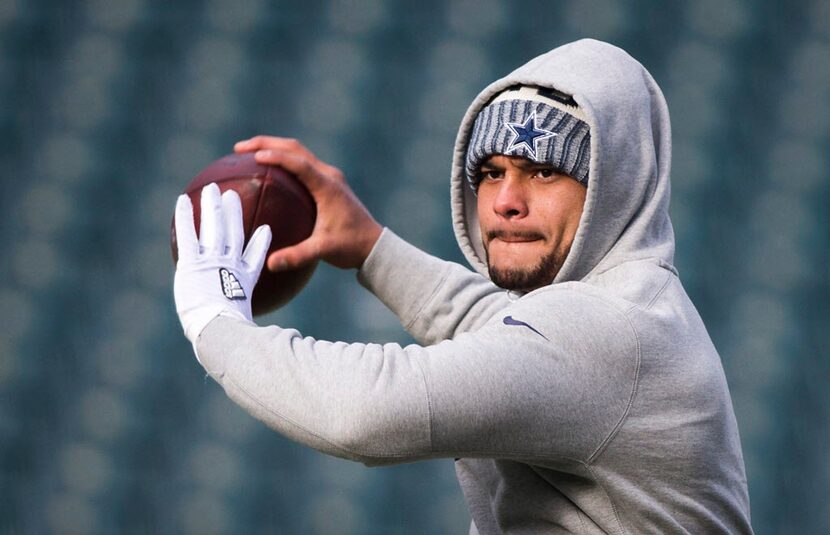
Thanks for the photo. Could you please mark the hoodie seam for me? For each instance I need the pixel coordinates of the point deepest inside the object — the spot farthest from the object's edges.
(659, 292)
(634, 390)
(594, 273)
(610, 500)
(428, 300)
(430, 419)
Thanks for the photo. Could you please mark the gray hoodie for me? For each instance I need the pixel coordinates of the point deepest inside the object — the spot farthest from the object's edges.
(596, 404)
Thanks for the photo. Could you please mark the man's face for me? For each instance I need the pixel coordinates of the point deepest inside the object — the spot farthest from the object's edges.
(528, 215)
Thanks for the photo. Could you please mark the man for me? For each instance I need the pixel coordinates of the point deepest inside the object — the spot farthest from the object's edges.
(587, 398)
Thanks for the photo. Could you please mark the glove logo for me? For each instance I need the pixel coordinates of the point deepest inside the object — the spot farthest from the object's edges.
(230, 285)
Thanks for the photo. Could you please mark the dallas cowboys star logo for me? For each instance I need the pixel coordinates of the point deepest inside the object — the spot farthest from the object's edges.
(527, 135)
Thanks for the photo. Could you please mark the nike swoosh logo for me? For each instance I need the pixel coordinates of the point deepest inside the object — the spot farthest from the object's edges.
(508, 320)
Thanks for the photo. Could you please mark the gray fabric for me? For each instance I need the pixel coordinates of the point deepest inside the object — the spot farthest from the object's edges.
(599, 406)
(565, 143)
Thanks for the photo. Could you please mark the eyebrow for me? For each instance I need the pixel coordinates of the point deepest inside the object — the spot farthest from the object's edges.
(492, 166)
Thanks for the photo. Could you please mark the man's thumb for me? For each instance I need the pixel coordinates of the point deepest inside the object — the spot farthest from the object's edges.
(293, 257)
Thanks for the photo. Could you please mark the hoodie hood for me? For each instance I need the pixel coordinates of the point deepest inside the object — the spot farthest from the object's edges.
(625, 216)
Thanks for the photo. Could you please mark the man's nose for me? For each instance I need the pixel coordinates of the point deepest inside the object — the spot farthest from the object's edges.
(511, 199)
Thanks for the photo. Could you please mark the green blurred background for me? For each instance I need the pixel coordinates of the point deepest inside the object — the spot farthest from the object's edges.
(109, 107)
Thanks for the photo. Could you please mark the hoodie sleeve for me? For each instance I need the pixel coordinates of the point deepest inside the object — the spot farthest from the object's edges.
(520, 389)
(434, 299)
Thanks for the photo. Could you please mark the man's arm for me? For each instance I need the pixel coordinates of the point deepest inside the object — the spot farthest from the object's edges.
(554, 388)
(434, 299)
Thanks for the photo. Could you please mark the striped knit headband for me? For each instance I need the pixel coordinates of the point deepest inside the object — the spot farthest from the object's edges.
(539, 124)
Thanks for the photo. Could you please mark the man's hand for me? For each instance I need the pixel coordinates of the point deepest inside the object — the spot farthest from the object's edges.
(213, 275)
(345, 231)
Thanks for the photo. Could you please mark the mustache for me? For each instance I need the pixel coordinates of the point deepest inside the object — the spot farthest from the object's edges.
(513, 234)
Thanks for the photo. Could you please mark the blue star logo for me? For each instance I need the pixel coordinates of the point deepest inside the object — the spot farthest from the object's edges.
(527, 135)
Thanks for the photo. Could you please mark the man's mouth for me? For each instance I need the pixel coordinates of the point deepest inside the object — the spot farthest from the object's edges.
(514, 236)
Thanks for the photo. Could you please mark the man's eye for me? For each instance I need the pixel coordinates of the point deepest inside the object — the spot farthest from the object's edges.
(491, 175)
(545, 173)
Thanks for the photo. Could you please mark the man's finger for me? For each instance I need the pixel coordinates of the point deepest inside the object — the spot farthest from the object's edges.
(257, 249)
(295, 256)
(186, 240)
(234, 231)
(286, 144)
(212, 230)
(305, 169)
(248, 145)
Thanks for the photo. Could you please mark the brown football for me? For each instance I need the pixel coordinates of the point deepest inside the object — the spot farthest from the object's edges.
(270, 195)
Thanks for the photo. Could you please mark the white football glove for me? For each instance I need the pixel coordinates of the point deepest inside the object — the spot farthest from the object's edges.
(213, 275)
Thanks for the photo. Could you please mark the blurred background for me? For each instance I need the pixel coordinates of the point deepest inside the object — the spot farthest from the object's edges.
(109, 107)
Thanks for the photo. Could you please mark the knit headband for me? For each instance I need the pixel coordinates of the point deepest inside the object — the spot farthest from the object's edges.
(539, 124)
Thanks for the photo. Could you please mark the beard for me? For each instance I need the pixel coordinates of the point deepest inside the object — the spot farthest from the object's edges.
(526, 279)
